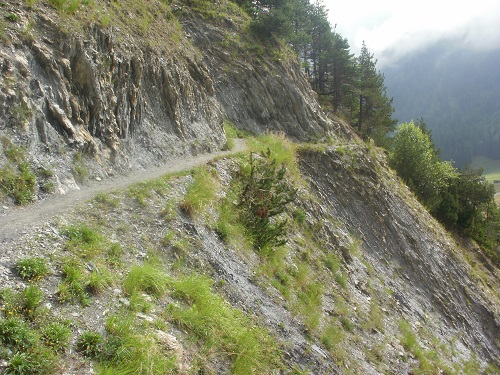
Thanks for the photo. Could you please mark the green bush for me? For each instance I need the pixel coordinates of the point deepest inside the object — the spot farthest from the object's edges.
(264, 196)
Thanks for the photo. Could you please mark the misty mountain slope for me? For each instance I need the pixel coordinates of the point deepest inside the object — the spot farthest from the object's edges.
(456, 92)
(164, 276)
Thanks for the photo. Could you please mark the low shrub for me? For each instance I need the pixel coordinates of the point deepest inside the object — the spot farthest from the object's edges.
(56, 336)
(264, 196)
(32, 268)
(90, 344)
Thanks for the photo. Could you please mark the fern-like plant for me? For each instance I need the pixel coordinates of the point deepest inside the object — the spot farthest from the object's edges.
(264, 196)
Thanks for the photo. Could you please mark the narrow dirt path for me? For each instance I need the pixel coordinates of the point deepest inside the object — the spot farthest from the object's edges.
(16, 221)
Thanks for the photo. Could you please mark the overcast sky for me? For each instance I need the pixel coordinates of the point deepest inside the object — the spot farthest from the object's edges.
(392, 28)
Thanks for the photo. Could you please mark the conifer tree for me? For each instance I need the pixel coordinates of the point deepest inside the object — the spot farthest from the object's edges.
(375, 108)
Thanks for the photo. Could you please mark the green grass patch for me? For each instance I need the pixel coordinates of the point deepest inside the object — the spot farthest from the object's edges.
(23, 348)
(222, 328)
(72, 288)
(200, 192)
(78, 168)
(130, 348)
(282, 150)
(142, 191)
(114, 255)
(106, 200)
(332, 336)
(32, 269)
(429, 360)
(376, 318)
(233, 132)
(99, 280)
(83, 240)
(229, 227)
(16, 178)
(147, 278)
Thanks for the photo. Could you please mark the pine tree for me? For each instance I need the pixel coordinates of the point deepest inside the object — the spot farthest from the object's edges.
(375, 108)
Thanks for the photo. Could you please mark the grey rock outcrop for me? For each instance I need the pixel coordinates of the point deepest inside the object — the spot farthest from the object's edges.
(409, 251)
(125, 105)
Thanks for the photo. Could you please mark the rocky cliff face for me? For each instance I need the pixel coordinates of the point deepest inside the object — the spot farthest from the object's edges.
(106, 94)
(432, 285)
(105, 99)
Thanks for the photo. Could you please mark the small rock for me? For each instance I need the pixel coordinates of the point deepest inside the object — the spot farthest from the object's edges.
(147, 318)
(169, 341)
(98, 178)
(318, 350)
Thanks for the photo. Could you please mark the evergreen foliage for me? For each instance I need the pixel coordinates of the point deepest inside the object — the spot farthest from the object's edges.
(375, 109)
(351, 87)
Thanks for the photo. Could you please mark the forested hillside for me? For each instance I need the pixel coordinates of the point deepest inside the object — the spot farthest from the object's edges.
(351, 87)
(457, 92)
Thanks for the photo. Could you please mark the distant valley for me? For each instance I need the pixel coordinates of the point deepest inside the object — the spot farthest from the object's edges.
(457, 92)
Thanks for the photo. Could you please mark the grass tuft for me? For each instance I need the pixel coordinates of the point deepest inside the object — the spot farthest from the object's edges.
(83, 240)
(146, 278)
(223, 329)
(200, 193)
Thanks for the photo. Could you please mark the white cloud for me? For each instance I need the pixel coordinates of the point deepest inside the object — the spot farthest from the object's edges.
(393, 28)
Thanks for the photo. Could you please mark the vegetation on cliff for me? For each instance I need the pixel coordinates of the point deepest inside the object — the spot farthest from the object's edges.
(461, 199)
(291, 258)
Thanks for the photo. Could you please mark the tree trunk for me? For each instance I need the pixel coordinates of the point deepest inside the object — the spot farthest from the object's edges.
(360, 120)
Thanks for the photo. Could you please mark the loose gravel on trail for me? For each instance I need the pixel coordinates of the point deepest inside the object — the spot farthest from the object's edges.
(14, 221)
